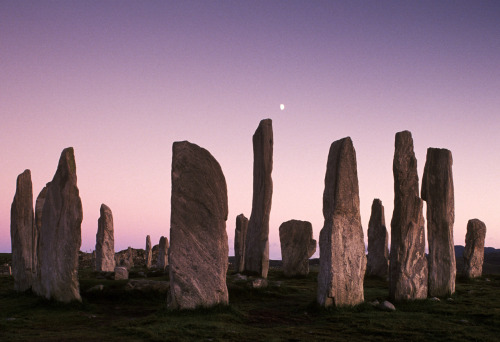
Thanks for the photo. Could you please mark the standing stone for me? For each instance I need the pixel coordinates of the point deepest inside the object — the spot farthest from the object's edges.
(239, 242)
(342, 249)
(22, 233)
(257, 239)
(408, 264)
(40, 201)
(105, 241)
(437, 191)
(121, 273)
(60, 235)
(474, 248)
(378, 251)
(297, 246)
(149, 252)
(162, 261)
(198, 252)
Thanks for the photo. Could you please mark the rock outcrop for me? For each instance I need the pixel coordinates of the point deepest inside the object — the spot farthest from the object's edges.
(240, 235)
(408, 264)
(60, 235)
(105, 241)
(474, 248)
(437, 191)
(148, 252)
(378, 238)
(297, 246)
(342, 250)
(257, 240)
(162, 260)
(198, 253)
(23, 234)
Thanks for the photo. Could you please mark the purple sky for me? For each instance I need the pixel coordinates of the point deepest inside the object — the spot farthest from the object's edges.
(120, 81)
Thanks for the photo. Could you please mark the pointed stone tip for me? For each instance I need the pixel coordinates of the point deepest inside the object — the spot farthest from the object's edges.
(104, 207)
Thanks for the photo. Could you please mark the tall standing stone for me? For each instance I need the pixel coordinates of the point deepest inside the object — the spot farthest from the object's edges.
(408, 264)
(257, 240)
(23, 234)
(474, 248)
(60, 235)
(162, 261)
(198, 252)
(40, 201)
(297, 246)
(378, 238)
(437, 191)
(240, 235)
(149, 252)
(105, 241)
(342, 249)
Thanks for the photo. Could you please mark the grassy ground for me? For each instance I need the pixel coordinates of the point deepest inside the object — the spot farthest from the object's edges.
(285, 311)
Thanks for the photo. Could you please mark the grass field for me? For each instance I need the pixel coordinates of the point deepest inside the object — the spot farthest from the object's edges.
(284, 311)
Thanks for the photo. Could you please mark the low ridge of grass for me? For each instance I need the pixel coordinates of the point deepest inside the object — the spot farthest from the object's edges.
(286, 310)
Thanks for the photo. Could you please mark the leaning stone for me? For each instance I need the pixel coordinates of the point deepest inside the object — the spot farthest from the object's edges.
(408, 264)
(240, 235)
(437, 191)
(342, 249)
(198, 253)
(257, 239)
(378, 238)
(148, 252)
(60, 234)
(121, 273)
(105, 241)
(474, 248)
(22, 234)
(162, 260)
(297, 246)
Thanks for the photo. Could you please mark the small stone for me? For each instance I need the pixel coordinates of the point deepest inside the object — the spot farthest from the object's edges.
(258, 283)
(240, 277)
(434, 299)
(487, 279)
(450, 299)
(374, 303)
(97, 288)
(386, 306)
(121, 273)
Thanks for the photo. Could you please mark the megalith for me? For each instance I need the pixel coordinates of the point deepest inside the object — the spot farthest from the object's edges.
(105, 241)
(378, 238)
(60, 234)
(240, 235)
(198, 253)
(341, 246)
(40, 201)
(23, 234)
(297, 246)
(148, 255)
(437, 191)
(408, 264)
(162, 260)
(257, 240)
(474, 248)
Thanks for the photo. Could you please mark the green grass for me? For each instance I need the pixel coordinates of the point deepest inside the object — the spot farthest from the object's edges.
(285, 311)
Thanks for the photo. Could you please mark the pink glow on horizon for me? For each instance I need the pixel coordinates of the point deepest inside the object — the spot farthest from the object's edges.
(121, 83)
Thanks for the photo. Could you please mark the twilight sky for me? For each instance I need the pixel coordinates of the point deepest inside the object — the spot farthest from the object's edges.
(120, 81)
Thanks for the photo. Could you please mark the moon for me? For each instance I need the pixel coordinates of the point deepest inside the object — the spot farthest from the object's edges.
(282, 106)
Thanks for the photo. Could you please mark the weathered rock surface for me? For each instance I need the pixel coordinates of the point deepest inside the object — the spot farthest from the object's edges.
(60, 235)
(474, 248)
(22, 233)
(257, 240)
(198, 253)
(148, 252)
(342, 250)
(105, 241)
(162, 260)
(121, 273)
(378, 238)
(240, 235)
(408, 264)
(40, 201)
(297, 246)
(437, 191)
